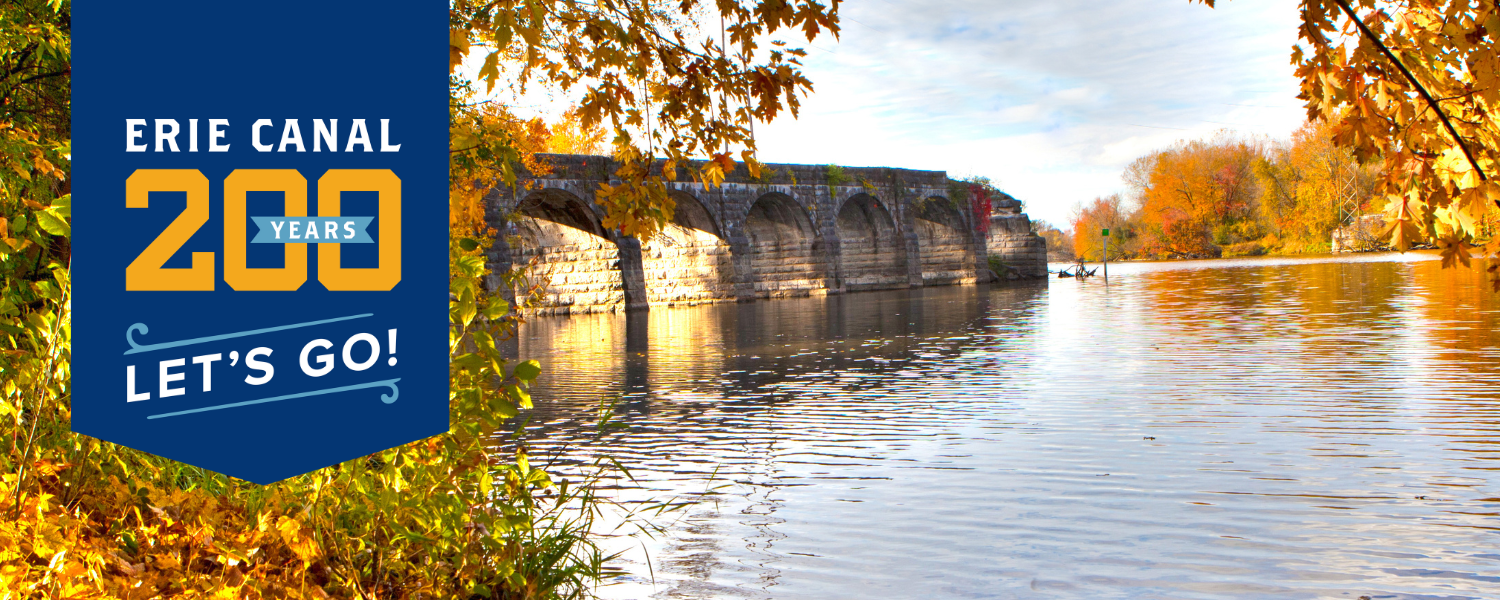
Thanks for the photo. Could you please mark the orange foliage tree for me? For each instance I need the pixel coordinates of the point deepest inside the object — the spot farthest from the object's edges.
(1059, 241)
(570, 135)
(495, 141)
(1088, 222)
(499, 140)
(1198, 196)
(1229, 195)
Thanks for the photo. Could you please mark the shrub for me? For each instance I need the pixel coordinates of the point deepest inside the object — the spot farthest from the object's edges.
(449, 516)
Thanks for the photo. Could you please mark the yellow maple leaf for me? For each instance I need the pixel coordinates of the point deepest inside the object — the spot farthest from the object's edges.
(458, 46)
(1401, 230)
(713, 175)
(1454, 250)
(297, 537)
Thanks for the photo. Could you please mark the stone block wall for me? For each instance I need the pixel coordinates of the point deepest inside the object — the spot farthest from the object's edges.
(946, 256)
(1360, 235)
(785, 258)
(687, 266)
(574, 271)
(871, 252)
(1011, 239)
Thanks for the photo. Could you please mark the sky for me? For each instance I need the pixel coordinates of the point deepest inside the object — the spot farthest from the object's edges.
(1051, 99)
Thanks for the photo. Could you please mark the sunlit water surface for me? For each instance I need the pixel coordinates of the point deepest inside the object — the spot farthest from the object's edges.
(1288, 428)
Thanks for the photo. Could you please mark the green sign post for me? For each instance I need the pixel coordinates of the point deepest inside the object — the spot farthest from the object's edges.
(1106, 256)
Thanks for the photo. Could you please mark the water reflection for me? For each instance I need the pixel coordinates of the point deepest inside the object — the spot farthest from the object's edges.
(1264, 429)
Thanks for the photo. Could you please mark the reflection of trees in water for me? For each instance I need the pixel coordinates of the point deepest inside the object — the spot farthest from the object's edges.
(721, 392)
(1331, 324)
(1462, 313)
(1461, 317)
(734, 354)
(1358, 339)
(1250, 302)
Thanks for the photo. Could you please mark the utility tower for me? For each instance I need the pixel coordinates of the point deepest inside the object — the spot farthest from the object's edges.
(1361, 235)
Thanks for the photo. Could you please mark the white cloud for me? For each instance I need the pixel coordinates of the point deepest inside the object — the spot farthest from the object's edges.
(1051, 99)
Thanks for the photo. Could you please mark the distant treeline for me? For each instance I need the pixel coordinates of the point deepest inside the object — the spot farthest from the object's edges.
(1227, 196)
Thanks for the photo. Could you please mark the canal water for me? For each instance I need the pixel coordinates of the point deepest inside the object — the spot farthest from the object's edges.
(1272, 428)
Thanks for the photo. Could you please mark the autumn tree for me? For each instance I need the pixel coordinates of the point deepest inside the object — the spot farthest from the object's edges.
(1059, 240)
(1234, 196)
(496, 143)
(1089, 221)
(35, 215)
(1414, 85)
(1198, 196)
(570, 136)
(35, 129)
(675, 81)
(1310, 186)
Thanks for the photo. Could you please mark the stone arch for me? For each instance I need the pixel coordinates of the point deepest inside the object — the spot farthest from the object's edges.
(692, 214)
(786, 258)
(688, 262)
(871, 253)
(946, 251)
(562, 207)
(571, 260)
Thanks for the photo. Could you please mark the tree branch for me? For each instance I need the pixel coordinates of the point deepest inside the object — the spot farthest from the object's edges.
(1442, 116)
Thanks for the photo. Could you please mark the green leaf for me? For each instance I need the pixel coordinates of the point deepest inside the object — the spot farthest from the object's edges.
(521, 396)
(527, 371)
(471, 266)
(466, 308)
(504, 408)
(47, 290)
(54, 224)
(469, 362)
(484, 345)
(496, 308)
(468, 244)
(39, 321)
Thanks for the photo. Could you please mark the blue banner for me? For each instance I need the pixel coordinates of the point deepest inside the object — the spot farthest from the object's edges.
(260, 231)
(308, 230)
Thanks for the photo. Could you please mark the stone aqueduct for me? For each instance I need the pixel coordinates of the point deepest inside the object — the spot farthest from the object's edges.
(791, 234)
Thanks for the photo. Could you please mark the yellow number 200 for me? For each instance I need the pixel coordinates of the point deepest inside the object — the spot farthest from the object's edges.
(146, 272)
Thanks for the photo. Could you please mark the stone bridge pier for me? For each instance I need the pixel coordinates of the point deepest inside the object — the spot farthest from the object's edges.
(795, 232)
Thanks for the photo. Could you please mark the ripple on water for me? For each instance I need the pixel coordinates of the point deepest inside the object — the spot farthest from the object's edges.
(1238, 429)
